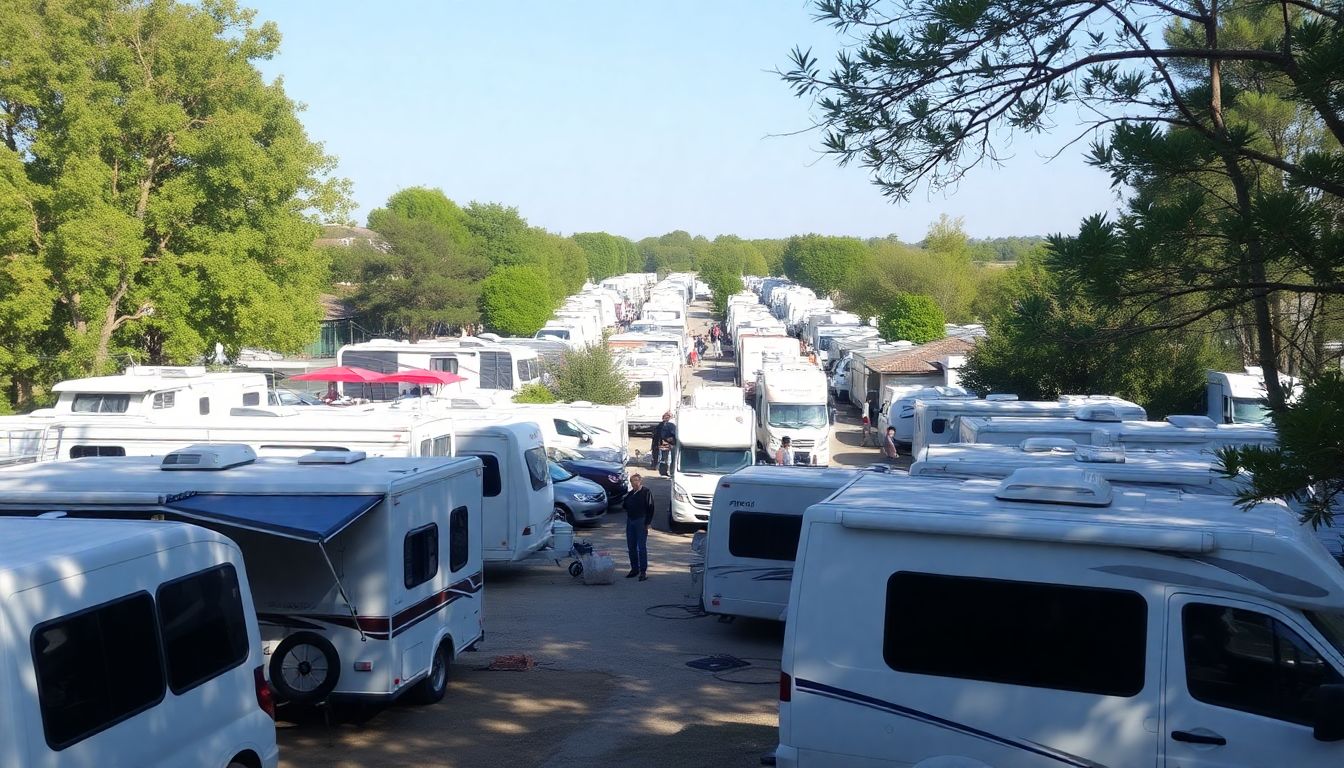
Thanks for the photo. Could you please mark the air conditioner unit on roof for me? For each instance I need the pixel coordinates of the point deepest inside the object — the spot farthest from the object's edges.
(1055, 486)
(209, 457)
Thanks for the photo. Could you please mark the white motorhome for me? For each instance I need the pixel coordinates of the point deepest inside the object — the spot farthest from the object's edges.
(486, 365)
(129, 643)
(936, 421)
(751, 353)
(712, 396)
(1053, 619)
(712, 441)
(791, 401)
(570, 333)
(666, 343)
(753, 531)
(588, 318)
(658, 383)
(1241, 398)
(1098, 426)
(897, 408)
(366, 573)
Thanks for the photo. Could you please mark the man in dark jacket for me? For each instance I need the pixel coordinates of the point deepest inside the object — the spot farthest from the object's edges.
(664, 435)
(639, 508)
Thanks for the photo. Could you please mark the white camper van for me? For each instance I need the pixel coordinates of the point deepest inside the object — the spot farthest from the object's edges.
(1052, 619)
(711, 442)
(897, 408)
(519, 501)
(936, 421)
(366, 573)
(753, 535)
(791, 401)
(752, 351)
(657, 379)
(1240, 397)
(129, 643)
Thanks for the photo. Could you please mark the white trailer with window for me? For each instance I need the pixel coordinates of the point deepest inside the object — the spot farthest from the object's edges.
(657, 383)
(366, 573)
(1050, 618)
(1096, 426)
(488, 367)
(712, 441)
(936, 422)
(753, 535)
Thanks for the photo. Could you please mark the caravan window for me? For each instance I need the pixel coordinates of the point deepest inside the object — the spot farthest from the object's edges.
(204, 630)
(1251, 662)
(101, 403)
(538, 468)
(496, 370)
(763, 536)
(650, 389)
(80, 451)
(491, 483)
(567, 428)
(420, 555)
(165, 400)
(254, 398)
(96, 668)
(437, 446)
(448, 364)
(939, 426)
(528, 370)
(458, 540)
(1066, 638)
(204, 406)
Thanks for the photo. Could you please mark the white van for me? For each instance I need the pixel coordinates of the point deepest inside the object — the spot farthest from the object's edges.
(366, 573)
(1052, 619)
(711, 442)
(897, 408)
(129, 643)
(753, 536)
(519, 502)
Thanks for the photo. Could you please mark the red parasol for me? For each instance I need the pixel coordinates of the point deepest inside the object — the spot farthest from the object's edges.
(420, 376)
(346, 374)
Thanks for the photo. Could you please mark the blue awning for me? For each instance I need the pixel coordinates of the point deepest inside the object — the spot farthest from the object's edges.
(306, 517)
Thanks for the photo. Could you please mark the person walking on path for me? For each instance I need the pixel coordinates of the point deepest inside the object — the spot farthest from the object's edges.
(639, 509)
(889, 445)
(869, 439)
(664, 436)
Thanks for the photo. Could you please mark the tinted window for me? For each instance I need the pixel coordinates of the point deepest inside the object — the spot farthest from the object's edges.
(538, 470)
(1016, 632)
(528, 370)
(459, 541)
(99, 403)
(567, 428)
(420, 555)
(448, 364)
(168, 399)
(939, 426)
(650, 389)
(764, 536)
(443, 446)
(80, 451)
(559, 474)
(97, 668)
(490, 480)
(204, 632)
(204, 405)
(1251, 662)
(254, 398)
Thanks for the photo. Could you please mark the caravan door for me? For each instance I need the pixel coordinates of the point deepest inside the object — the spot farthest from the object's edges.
(498, 523)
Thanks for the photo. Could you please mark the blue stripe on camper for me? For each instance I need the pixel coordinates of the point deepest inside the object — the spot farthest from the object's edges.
(841, 694)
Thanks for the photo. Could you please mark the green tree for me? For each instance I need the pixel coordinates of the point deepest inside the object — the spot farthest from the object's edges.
(591, 374)
(517, 301)
(912, 317)
(606, 254)
(535, 393)
(1307, 465)
(824, 264)
(165, 190)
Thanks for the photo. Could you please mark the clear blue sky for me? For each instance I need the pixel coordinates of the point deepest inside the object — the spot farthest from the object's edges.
(630, 117)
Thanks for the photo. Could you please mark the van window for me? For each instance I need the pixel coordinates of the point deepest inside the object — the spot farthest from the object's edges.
(420, 555)
(252, 398)
(101, 403)
(764, 536)
(458, 539)
(491, 484)
(96, 668)
(1251, 662)
(538, 469)
(80, 451)
(939, 426)
(204, 630)
(567, 428)
(443, 446)
(528, 370)
(204, 406)
(448, 364)
(650, 389)
(1068, 638)
(167, 400)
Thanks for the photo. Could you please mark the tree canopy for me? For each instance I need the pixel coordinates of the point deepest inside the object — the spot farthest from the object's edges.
(912, 317)
(826, 264)
(516, 301)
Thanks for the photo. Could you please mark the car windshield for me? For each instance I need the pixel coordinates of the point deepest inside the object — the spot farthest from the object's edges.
(1246, 411)
(591, 428)
(559, 474)
(1330, 624)
(560, 454)
(719, 461)
(789, 416)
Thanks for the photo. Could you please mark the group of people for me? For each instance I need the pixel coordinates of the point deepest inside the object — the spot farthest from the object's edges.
(706, 344)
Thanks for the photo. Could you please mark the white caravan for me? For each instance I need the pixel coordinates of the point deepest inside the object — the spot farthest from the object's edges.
(129, 643)
(1050, 619)
(366, 573)
(713, 396)
(564, 331)
(711, 442)
(791, 401)
(665, 343)
(1240, 398)
(1189, 471)
(753, 536)
(1098, 426)
(751, 353)
(897, 408)
(587, 318)
(657, 382)
(486, 365)
(936, 421)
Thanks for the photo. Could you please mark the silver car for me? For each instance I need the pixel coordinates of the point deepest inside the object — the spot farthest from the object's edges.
(577, 500)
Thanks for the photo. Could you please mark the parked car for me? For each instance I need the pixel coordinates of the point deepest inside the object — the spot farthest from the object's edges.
(610, 475)
(292, 397)
(577, 500)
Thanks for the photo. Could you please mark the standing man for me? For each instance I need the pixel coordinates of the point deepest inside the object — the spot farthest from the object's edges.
(664, 435)
(639, 508)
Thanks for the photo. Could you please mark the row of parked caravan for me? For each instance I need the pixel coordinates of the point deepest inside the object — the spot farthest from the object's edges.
(654, 348)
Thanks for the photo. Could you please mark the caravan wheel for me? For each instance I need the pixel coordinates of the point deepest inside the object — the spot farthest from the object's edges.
(431, 689)
(305, 668)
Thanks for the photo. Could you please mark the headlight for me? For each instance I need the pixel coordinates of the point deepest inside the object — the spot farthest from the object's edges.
(614, 478)
(592, 497)
(678, 493)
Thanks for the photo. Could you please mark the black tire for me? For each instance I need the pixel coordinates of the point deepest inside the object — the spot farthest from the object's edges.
(435, 685)
(576, 569)
(564, 514)
(304, 668)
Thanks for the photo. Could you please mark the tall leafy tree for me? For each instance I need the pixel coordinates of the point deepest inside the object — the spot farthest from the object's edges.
(156, 192)
(517, 301)
(912, 317)
(824, 264)
(606, 254)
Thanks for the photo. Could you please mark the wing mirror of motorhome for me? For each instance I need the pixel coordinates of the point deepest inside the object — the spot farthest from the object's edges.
(1329, 724)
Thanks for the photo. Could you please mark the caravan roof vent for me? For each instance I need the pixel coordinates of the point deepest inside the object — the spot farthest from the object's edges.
(1100, 454)
(209, 457)
(1048, 445)
(332, 457)
(1101, 412)
(1001, 398)
(1055, 486)
(1191, 422)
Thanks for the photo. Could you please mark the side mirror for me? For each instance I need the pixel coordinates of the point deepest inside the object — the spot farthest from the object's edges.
(1328, 725)
(585, 439)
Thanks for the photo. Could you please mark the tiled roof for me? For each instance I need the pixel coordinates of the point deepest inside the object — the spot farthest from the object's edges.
(926, 358)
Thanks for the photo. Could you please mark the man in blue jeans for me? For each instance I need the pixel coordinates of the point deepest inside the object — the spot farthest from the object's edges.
(638, 505)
